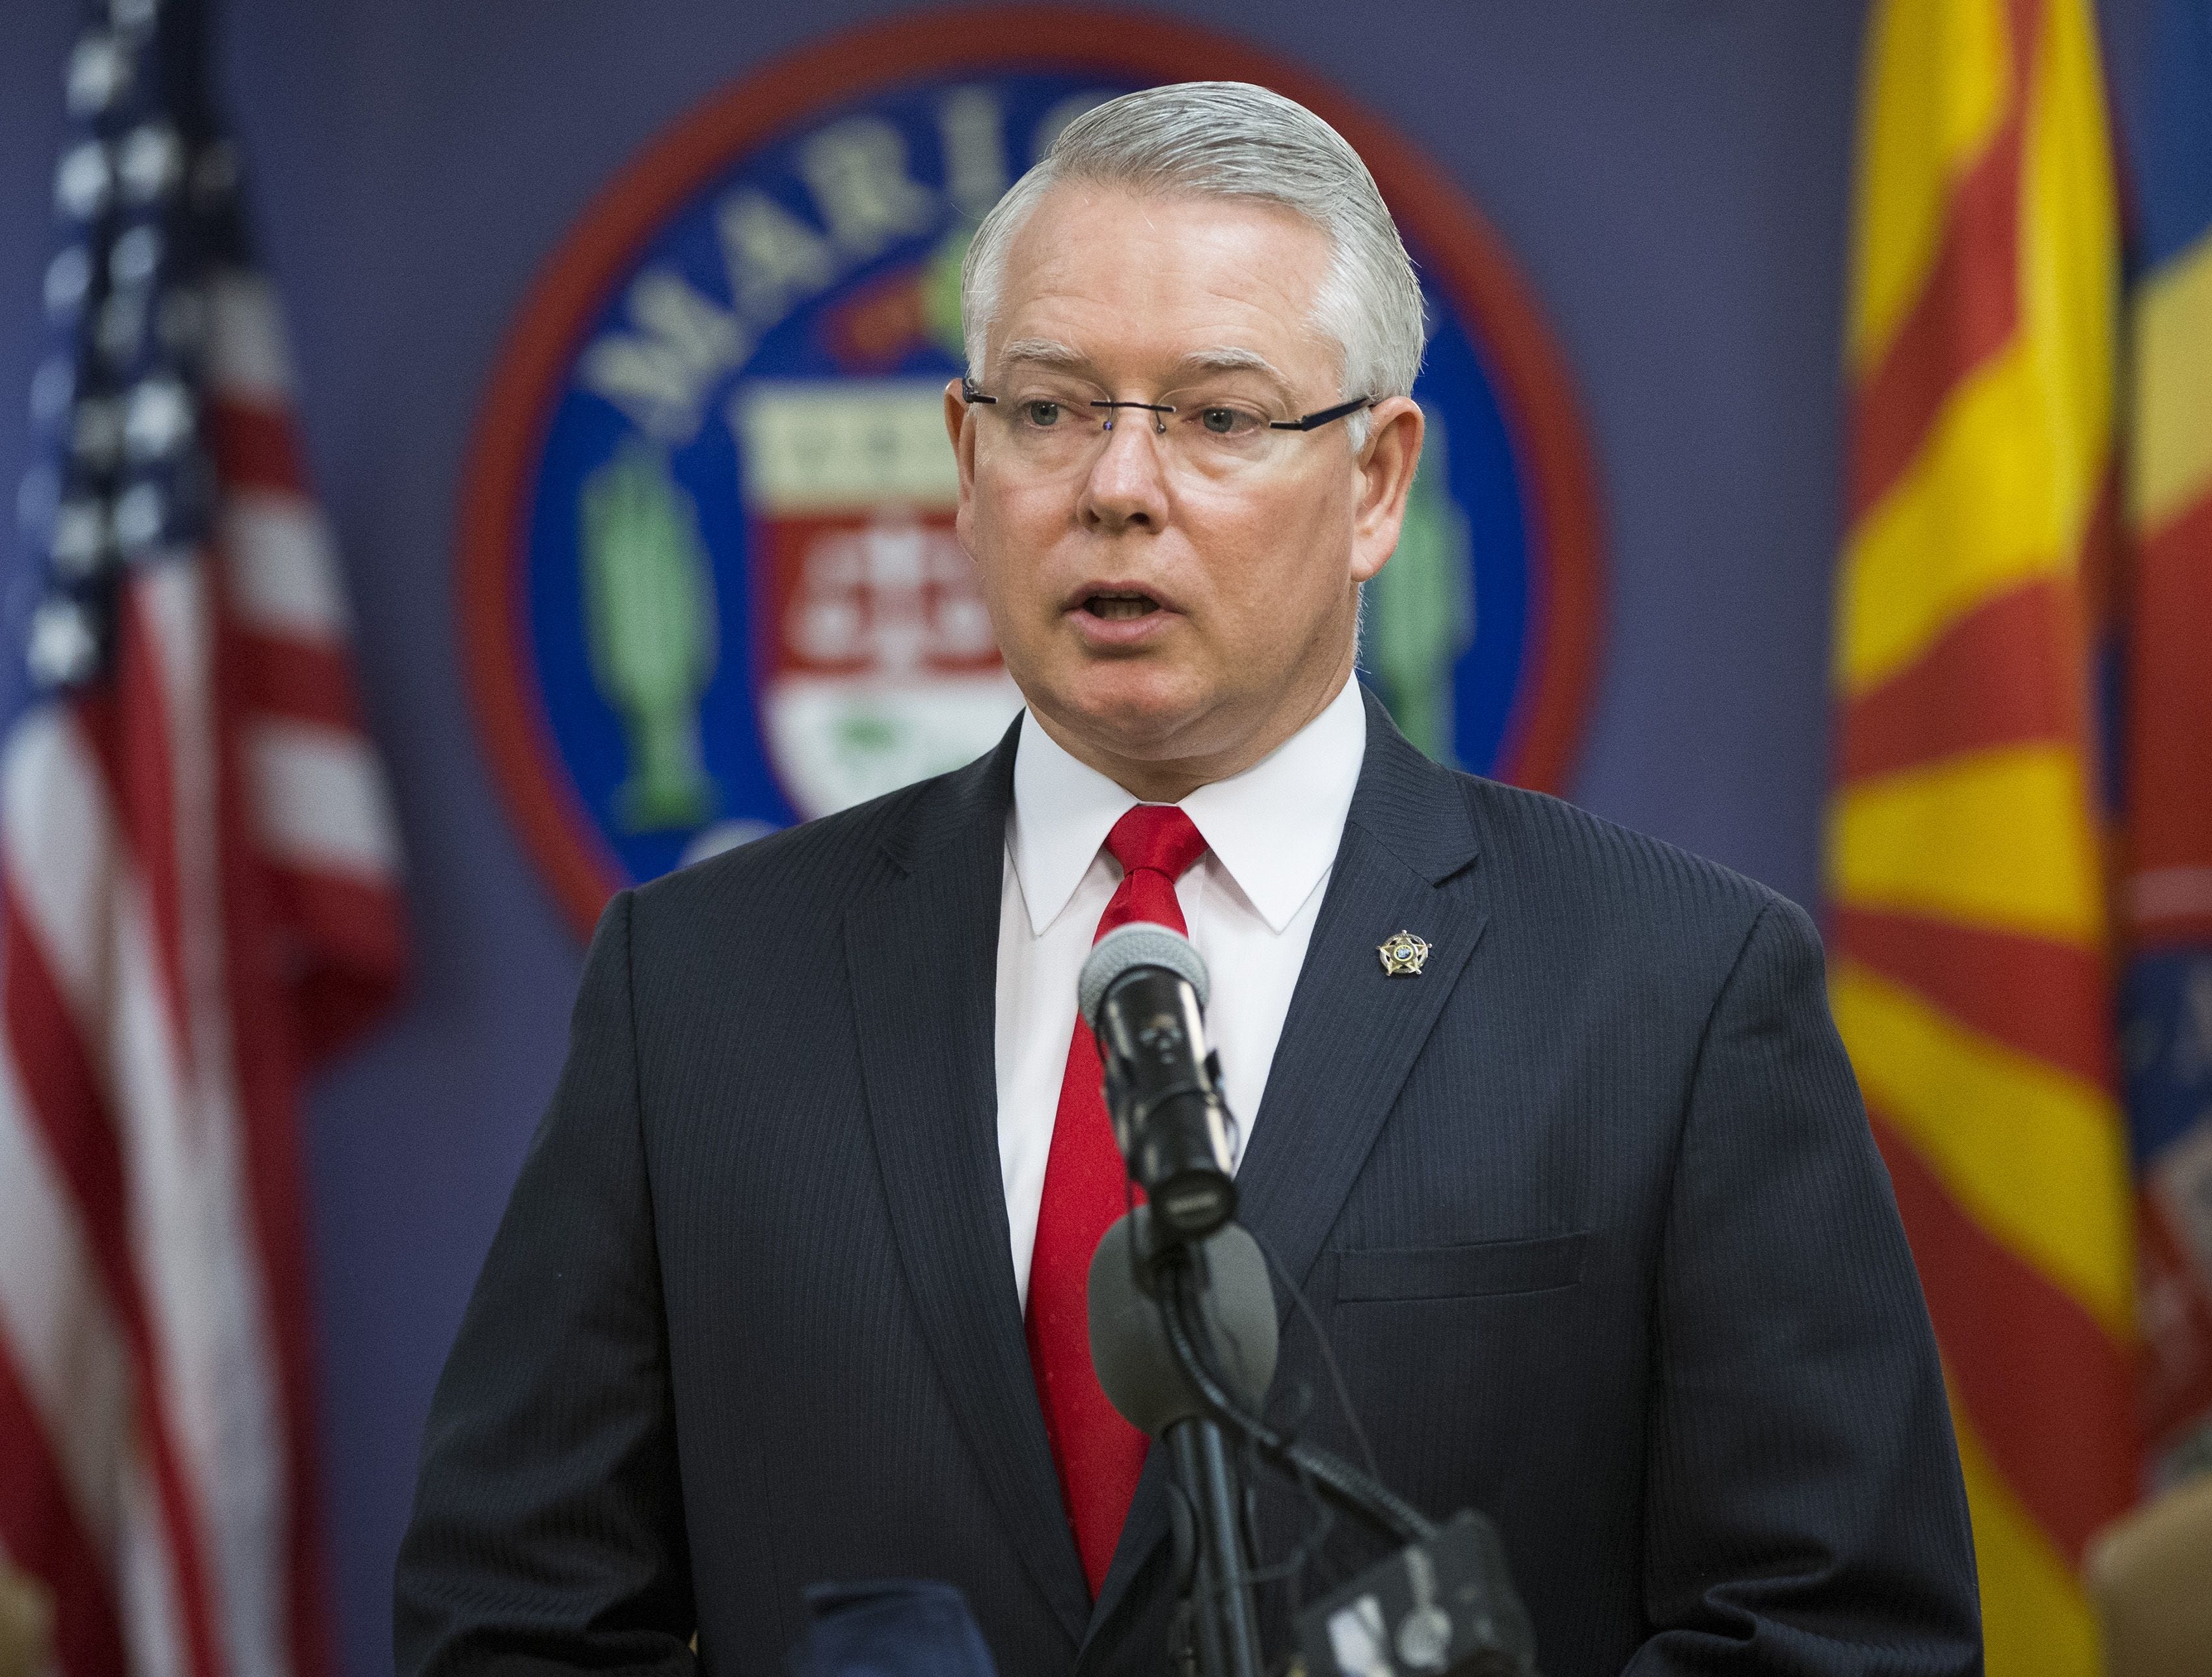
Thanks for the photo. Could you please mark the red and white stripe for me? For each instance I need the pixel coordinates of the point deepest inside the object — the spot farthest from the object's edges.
(199, 876)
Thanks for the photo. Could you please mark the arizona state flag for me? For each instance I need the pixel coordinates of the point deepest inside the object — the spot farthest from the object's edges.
(1965, 866)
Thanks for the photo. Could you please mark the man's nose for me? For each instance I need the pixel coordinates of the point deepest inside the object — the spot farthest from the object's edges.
(1127, 485)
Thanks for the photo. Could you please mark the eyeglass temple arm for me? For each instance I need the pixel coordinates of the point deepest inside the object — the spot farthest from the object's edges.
(1325, 416)
(969, 393)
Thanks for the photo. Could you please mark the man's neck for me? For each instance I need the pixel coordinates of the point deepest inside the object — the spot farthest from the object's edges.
(1171, 780)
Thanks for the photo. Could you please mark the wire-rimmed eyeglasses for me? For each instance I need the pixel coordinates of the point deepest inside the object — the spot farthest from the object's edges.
(1058, 423)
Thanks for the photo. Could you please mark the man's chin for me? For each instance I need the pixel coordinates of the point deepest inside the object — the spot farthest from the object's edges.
(1134, 712)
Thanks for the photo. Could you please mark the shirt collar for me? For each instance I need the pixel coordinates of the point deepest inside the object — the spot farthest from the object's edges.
(1274, 829)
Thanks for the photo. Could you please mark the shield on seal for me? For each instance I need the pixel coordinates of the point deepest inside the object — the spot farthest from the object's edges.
(875, 661)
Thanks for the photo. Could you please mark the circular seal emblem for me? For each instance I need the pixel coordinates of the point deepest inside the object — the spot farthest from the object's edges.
(709, 583)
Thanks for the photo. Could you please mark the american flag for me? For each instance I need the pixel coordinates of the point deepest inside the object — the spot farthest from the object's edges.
(199, 879)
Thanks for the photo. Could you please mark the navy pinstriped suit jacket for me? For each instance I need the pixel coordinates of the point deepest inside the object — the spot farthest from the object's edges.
(1588, 1208)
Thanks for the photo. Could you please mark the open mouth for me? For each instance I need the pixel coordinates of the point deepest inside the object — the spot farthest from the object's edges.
(1120, 608)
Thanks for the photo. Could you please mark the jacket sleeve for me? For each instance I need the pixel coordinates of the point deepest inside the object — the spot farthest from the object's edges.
(548, 1532)
(1804, 1512)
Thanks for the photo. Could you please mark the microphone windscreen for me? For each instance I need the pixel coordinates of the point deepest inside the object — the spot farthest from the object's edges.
(890, 1627)
(1141, 943)
(1129, 1344)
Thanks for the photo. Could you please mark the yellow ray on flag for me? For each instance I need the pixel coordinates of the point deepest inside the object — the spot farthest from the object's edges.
(2173, 440)
(2008, 1134)
(1999, 838)
(1944, 69)
(1992, 491)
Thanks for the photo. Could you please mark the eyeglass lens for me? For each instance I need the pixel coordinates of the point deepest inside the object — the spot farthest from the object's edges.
(1215, 428)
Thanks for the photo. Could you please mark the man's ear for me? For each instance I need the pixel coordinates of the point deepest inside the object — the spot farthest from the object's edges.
(963, 437)
(1385, 468)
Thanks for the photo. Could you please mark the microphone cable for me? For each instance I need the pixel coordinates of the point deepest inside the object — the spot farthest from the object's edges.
(1334, 1370)
(1361, 1493)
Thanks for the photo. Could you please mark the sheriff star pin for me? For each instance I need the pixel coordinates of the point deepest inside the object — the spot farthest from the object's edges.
(1402, 955)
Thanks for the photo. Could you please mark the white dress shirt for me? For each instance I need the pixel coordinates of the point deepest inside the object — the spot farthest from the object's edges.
(1272, 835)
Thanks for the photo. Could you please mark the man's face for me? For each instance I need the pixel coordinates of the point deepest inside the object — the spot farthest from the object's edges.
(1161, 606)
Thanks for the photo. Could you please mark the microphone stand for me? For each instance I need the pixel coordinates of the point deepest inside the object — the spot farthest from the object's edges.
(1221, 1598)
(1357, 1492)
(1142, 991)
(1220, 1601)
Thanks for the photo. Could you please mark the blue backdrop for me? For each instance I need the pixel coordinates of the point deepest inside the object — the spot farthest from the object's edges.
(1672, 175)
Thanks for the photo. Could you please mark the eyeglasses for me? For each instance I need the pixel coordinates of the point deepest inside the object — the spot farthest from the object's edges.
(1215, 430)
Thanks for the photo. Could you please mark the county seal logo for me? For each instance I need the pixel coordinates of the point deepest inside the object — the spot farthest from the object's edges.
(709, 583)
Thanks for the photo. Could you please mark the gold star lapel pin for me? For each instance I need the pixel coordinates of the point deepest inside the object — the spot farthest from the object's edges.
(1402, 955)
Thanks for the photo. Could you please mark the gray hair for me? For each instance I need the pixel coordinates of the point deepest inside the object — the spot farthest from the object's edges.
(1232, 140)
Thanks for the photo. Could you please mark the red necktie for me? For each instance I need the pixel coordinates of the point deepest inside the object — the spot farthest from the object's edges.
(1086, 1187)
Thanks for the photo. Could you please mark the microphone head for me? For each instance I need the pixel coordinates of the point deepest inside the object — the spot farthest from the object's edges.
(1129, 1345)
(1139, 944)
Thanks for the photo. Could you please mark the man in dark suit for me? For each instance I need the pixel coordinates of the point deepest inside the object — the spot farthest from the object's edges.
(789, 1290)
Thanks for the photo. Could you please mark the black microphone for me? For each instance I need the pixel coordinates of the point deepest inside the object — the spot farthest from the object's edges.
(1129, 1349)
(1143, 993)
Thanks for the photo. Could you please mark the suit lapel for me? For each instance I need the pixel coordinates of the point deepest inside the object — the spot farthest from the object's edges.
(1353, 1031)
(1350, 1037)
(921, 953)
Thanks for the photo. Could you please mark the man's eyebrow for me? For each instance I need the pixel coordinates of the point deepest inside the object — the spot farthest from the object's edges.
(1228, 359)
(1050, 352)
(1045, 352)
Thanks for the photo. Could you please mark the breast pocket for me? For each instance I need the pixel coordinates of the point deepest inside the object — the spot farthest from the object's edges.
(1482, 1269)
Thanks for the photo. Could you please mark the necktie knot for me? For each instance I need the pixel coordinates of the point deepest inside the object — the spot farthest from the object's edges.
(1156, 844)
(1158, 838)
